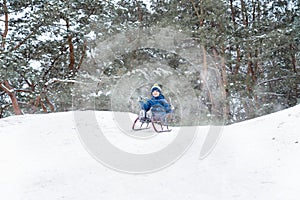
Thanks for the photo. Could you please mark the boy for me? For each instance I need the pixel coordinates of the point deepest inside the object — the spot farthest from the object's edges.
(159, 106)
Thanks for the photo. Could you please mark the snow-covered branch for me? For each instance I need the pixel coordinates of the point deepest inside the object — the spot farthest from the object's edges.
(55, 80)
(276, 79)
(3, 86)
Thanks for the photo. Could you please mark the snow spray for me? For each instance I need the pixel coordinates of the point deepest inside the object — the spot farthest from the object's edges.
(173, 59)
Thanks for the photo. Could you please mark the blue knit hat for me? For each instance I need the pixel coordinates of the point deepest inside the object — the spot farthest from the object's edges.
(156, 87)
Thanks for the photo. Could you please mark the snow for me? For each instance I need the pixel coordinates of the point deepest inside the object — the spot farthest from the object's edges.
(43, 157)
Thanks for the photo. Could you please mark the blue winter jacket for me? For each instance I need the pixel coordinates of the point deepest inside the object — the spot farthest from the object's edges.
(158, 104)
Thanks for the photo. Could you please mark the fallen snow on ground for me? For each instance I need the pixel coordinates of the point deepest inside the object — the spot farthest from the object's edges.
(42, 157)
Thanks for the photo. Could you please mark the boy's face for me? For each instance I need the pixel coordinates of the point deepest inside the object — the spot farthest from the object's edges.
(155, 93)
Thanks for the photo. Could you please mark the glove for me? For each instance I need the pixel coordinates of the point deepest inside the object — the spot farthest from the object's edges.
(141, 99)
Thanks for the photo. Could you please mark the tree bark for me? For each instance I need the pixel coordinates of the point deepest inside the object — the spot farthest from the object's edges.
(199, 15)
(5, 24)
(50, 104)
(71, 47)
(232, 12)
(5, 86)
(82, 56)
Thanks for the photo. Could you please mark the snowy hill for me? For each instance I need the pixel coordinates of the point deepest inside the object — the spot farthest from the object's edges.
(43, 157)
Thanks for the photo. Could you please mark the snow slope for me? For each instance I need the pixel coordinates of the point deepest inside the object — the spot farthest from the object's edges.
(42, 157)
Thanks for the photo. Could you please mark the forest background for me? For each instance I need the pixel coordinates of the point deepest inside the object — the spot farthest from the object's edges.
(49, 55)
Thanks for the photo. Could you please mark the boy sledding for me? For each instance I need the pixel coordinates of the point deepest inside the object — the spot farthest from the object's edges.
(155, 110)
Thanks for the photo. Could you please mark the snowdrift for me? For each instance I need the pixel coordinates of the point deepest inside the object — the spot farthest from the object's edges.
(42, 157)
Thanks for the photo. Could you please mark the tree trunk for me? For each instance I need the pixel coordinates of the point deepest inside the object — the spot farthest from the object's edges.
(5, 86)
(226, 109)
(50, 104)
(71, 47)
(4, 34)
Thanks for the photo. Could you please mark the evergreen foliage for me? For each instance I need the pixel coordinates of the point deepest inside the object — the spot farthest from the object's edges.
(50, 54)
